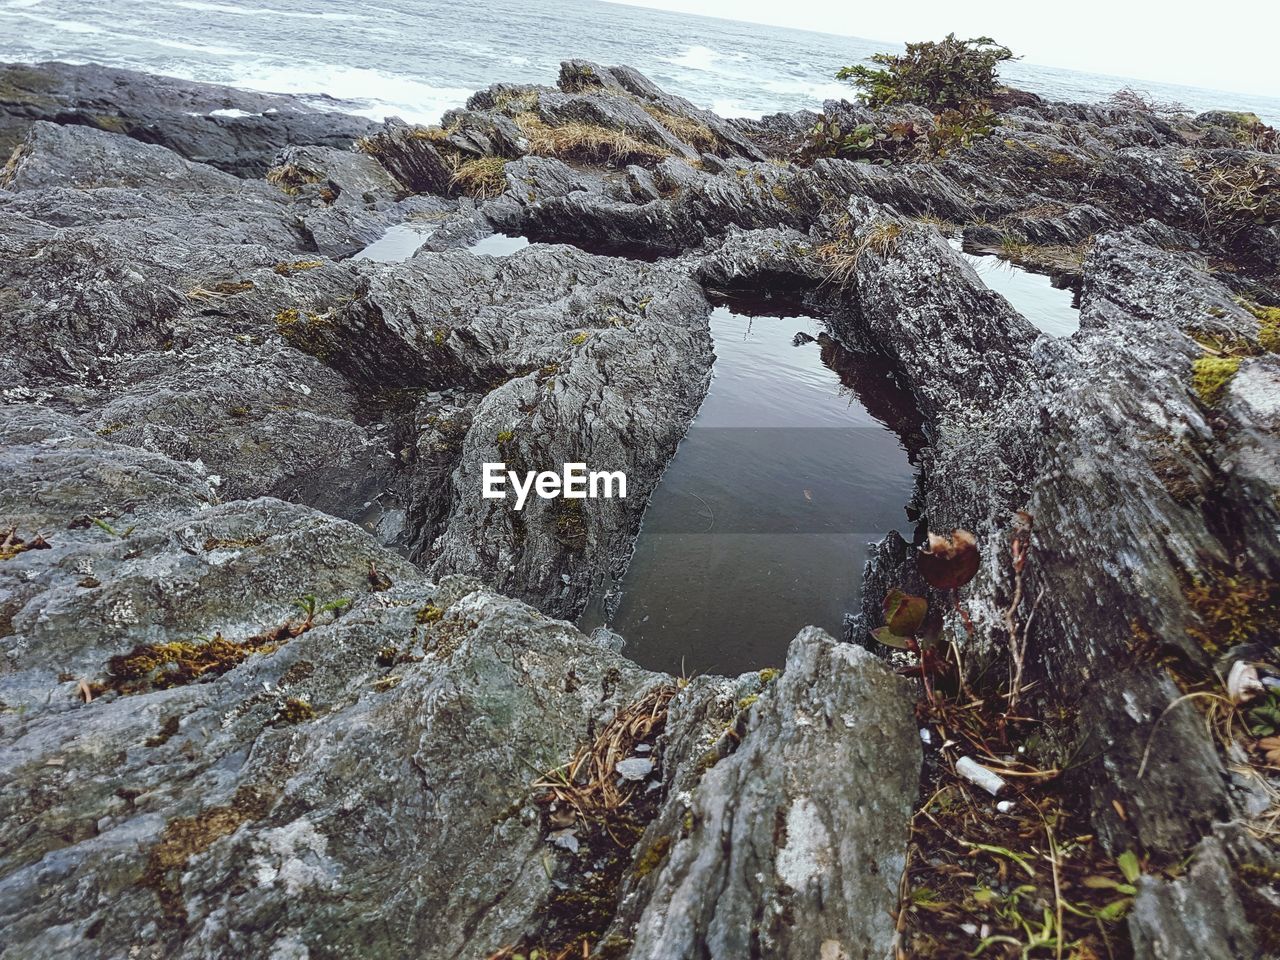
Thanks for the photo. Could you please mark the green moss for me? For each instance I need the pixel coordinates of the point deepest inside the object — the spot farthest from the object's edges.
(295, 710)
(311, 332)
(648, 861)
(185, 837)
(769, 674)
(1232, 608)
(296, 266)
(1268, 326)
(707, 761)
(1210, 376)
(110, 124)
(159, 666)
(746, 703)
(505, 436)
(782, 195)
(429, 614)
(578, 339)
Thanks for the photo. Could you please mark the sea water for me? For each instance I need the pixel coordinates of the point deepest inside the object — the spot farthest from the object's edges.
(418, 58)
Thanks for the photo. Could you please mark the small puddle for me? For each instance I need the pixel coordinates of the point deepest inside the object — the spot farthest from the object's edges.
(498, 245)
(399, 243)
(503, 245)
(1051, 309)
(761, 523)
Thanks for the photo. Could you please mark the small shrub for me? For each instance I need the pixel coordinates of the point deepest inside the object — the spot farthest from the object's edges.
(291, 178)
(1238, 195)
(941, 75)
(1127, 98)
(903, 141)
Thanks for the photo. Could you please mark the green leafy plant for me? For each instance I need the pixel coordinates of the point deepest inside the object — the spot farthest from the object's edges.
(900, 141)
(904, 615)
(1264, 719)
(946, 74)
(311, 607)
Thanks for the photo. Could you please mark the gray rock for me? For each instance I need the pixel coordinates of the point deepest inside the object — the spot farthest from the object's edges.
(634, 768)
(794, 848)
(178, 114)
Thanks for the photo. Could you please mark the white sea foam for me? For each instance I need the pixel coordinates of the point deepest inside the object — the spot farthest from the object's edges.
(264, 11)
(735, 108)
(369, 93)
(209, 49)
(699, 57)
(64, 26)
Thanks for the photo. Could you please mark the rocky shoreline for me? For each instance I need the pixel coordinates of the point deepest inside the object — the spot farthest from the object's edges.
(278, 682)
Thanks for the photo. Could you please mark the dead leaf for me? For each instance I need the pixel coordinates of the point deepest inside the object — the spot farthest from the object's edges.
(947, 563)
(1270, 747)
(85, 691)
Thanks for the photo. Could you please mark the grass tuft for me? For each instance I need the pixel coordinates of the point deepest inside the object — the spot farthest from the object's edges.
(483, 178)
(587, 143)
(693, 132)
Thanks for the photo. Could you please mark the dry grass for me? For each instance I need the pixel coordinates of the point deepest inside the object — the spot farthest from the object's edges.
(587, 784)
(841, 256)
(1239, 195)
(586, 143)
(608, 819)
(1054, 258)
(483, 177)
(291, 178)
(219, 290)
(693, 132)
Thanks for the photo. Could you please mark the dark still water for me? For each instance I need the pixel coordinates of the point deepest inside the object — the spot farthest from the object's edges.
(761, 524)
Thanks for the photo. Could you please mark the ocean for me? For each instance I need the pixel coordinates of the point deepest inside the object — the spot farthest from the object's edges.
(418, 58)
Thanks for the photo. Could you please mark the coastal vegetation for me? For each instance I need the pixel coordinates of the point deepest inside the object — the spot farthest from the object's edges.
(949, 74)
(955, 80)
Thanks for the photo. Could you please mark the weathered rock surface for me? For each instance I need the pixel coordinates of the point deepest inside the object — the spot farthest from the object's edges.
(235, 130)
(790, 825)
(207, 397)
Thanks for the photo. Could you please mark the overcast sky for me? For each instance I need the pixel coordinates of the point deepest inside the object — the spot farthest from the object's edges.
(1225, 45)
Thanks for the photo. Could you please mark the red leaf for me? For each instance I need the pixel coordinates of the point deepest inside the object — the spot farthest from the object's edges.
(947, 563)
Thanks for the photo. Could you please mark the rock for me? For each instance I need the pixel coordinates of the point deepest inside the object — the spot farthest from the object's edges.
(223, 427)
(634, 768)
(234, 130)
(788, 825)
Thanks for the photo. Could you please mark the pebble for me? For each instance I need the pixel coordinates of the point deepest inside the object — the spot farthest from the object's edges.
(635, 768)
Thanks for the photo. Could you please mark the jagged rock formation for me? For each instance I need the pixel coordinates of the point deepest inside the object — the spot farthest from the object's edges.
(213, 411)
(234, 130)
